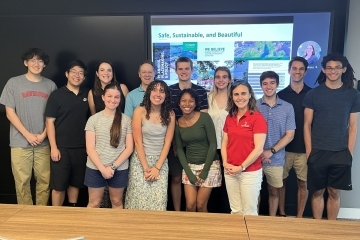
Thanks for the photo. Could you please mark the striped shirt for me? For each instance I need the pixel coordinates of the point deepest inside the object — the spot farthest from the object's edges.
(280, 118)
(101, 125)
(175, 91)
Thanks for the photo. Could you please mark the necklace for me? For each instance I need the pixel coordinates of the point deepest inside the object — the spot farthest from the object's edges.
(186, 122)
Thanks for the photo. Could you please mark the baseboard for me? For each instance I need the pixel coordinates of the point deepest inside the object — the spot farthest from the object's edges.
(349, 213)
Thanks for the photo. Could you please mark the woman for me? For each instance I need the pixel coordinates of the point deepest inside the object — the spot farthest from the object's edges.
(153, 129)
(218, 99)
(242, 145)
(201, 167)
(109, 143)
(310, 55)
(103, 76)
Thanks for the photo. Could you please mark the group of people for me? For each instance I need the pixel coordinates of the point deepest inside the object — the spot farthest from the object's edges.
(135, 140)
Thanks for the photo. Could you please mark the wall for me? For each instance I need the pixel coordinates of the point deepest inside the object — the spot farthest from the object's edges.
(350, 200)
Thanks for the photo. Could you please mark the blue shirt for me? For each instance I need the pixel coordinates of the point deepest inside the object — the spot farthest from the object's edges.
(133, 100)
(280, 118)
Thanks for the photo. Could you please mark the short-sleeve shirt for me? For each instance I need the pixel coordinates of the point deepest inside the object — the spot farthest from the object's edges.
(280, 118)
(332, 108)
(101, 125)
(71, 113)
(28, 99)
(133, 100)
(200, 92)
(297, 145)
(241, 138)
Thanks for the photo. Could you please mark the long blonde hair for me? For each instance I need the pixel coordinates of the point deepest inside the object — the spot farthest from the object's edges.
(214, 91)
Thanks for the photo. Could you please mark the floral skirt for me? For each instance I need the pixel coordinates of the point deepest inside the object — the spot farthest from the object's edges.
(213, 179)
(144, 195)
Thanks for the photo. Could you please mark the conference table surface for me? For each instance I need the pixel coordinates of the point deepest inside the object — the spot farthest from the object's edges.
(45, 222)
(40, 222)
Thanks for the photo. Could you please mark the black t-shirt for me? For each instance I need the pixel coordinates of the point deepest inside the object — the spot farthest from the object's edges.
(332, 108)
(297, 145)
(71, 113)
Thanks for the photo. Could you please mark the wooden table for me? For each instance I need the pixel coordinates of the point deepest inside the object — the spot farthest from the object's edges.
(39, 222)
(8, 210)
(269, 228)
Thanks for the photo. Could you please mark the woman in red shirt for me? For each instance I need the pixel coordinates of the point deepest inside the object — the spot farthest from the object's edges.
(242, 144)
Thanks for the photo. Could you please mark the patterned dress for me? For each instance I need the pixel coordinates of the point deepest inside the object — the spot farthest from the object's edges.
(141, 194)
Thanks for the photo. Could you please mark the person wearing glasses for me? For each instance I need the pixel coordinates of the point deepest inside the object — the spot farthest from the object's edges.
(242, 144)
(66, 115)
(25, 98)
(330, 128)
(280, 118)
(135, 97)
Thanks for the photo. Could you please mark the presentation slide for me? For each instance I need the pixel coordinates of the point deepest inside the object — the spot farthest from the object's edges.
(247, 48)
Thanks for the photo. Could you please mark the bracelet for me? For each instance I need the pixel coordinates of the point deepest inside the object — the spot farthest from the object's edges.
(156, 168)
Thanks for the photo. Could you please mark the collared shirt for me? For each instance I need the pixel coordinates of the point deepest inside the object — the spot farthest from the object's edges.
(297, 145)
(241, 138)
(133, 100)
(71, 113)
(280, 118)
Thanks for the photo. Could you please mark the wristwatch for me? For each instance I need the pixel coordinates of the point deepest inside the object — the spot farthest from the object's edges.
(113, 167)
(273, 150)
(243, 168)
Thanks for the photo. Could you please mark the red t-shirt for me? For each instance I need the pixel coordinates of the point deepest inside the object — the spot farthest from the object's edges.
(241, 138)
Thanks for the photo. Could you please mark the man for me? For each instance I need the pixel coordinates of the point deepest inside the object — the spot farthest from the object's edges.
(184, 68)
(280, 118)
(135, 97)
(66, 115)
(330, 127)
(295, 156)
(25, 98)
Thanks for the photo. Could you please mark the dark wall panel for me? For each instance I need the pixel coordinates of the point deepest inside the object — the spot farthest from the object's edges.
(119, 39)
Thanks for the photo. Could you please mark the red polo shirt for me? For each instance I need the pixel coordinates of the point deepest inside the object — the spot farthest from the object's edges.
(241, 138)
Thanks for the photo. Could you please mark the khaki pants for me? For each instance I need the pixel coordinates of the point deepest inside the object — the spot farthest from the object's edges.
(23, 161)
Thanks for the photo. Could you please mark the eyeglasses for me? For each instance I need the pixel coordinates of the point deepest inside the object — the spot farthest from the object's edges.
(77, 73)
(35, 60)
(335, 69)
(143, 73)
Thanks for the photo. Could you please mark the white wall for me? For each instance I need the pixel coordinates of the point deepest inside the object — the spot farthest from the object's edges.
(350, 200)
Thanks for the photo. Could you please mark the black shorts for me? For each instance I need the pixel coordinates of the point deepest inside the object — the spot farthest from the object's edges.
(175, 167)
(70, 170)
(329, 169)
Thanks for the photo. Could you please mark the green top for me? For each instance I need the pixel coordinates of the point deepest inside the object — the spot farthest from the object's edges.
(200, 142)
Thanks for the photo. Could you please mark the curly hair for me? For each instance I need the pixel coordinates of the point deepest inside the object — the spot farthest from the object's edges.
(347, 77)
(231, 106)
(165, 106)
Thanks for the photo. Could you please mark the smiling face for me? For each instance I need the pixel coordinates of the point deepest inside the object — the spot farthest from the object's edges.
(157, 95)
(241, 97)
(297, 71)
(35, 65)
(184, 71)
(222, 79)
(105, 73)
(309, 50)
(75, 76)
(111, 98)
(146, 74)
(269, 87)
(187, 103)
(334, 71)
